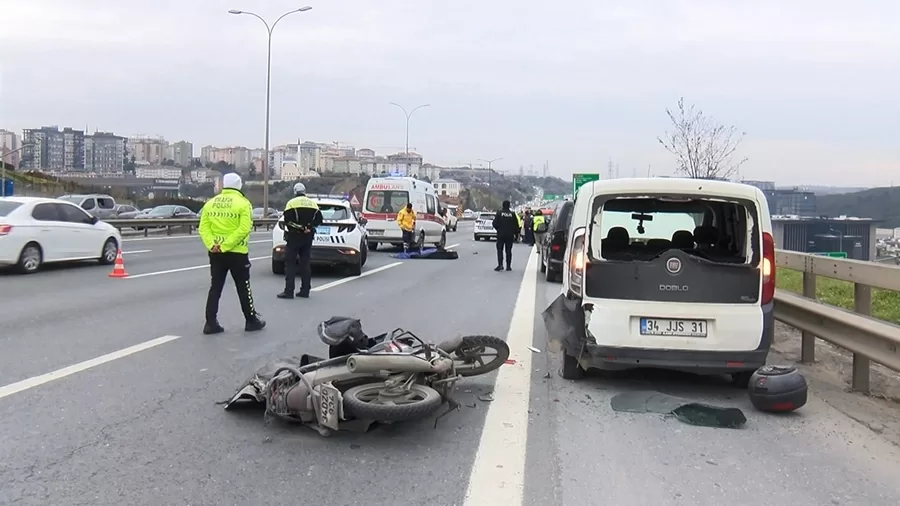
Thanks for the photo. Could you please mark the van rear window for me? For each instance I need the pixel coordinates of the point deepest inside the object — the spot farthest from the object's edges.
(641, 229)
(386, 201)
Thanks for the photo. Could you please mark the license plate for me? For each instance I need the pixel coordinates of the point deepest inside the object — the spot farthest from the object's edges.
(376, 232)
(331, 404)
(323, 230)
(672, 327)
(322, 238)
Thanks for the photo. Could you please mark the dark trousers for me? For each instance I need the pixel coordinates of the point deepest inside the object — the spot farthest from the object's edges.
(238, 264)
(408, 239)
(504, 245)
(529, 236)
(296, 256)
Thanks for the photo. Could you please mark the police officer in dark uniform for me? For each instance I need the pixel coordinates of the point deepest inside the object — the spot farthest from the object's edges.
(301, 217)
(506, 223)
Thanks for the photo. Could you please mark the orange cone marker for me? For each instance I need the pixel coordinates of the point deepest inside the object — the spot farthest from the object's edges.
(119, 268)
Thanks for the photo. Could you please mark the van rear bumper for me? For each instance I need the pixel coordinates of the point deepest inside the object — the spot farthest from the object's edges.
(697, 362)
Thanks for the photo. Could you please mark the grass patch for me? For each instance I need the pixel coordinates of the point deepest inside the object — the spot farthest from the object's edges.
(885, 303)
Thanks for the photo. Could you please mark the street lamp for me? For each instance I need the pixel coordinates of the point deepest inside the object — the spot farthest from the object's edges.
(269, 29)
(3, 164)
(408, 115)
(490, 168)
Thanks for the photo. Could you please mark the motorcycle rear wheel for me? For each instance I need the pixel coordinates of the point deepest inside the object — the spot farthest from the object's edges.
(374, 401)
(471, 350)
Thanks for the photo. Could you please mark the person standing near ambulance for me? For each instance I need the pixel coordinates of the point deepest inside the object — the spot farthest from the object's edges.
(225, 224)
(301, 217)
(406, 220)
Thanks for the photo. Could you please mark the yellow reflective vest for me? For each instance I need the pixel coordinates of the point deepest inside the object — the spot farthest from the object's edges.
(227, 220)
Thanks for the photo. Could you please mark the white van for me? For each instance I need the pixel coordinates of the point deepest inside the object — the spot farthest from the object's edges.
(668, 273)
(386, 196)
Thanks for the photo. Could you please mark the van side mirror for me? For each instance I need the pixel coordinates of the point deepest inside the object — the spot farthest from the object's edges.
(363, 221)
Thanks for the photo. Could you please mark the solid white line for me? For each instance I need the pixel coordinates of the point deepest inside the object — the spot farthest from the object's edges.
(261, 240)
(136, 251)
(174, 237)
(83, 366)
(451, 246)
(341, 281)
(498, 473)
(182, 269)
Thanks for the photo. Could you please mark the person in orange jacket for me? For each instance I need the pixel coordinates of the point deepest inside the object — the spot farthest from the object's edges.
(406, 220)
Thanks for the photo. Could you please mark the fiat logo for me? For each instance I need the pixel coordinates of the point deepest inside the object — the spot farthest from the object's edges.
(673, 265)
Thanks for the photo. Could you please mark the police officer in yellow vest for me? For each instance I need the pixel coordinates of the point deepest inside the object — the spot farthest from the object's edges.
(537, 221)
(301, 217)
(225, 224)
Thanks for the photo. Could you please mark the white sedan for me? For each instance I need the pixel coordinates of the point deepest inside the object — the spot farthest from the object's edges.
(36, 231)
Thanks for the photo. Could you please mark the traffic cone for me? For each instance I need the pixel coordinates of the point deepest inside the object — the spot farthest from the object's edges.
(119, 268)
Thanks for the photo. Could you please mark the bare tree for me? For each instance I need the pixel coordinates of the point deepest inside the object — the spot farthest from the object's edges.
(704, 148)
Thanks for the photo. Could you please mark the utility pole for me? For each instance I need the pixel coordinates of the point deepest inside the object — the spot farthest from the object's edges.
(408, 115)
(609, 170)
(490, 169)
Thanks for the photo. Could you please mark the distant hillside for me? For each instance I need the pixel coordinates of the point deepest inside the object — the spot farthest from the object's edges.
(877, 203)
(832, 190)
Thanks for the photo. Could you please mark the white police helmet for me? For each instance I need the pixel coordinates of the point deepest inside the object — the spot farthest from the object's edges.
(299, 189)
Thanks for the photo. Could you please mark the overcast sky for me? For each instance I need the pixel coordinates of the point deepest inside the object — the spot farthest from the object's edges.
(573, 82)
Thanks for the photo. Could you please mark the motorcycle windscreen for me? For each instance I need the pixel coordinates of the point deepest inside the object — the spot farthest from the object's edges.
(251, 391)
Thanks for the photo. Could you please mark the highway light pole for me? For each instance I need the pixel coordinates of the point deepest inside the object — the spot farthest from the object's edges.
(408, 115)
(3, 167)
(490, 168)
(269, 29)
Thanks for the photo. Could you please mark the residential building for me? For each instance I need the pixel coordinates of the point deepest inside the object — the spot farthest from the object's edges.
(201, 176)
(157, 172)
(791, 202)
(47, 149)
(447, 187)
(365, 154)
(9, 142)
(290, 170)
(104, 153)
(347, 165)
(405, 164)
(181, 152)
(310, 156)
(374, 166)
(147, 149)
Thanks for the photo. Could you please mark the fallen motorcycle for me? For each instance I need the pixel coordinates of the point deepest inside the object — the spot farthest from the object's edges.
(393, 377)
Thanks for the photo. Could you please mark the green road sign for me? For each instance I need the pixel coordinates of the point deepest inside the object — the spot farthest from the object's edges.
(579, 180)
(552, 196)
(833, 254)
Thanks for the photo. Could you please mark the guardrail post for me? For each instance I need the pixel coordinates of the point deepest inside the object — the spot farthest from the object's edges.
(862, 300)
(807, 339)
(146, 231)
(168, 229)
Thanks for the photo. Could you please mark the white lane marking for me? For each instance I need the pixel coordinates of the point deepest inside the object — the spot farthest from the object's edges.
(261, 240)
(136, 252)
(83, 366)
(451, 246)
(498, 473)
(175, 237)
(341, 281)
(182, 269)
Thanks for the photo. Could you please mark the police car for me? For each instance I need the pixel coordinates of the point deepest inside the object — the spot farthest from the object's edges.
(339, 241)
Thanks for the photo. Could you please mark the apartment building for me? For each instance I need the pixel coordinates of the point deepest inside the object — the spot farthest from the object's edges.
(104, 153)
(9, 144)
(157, 172)
(181, 152)
(53, 149)
(148, 149)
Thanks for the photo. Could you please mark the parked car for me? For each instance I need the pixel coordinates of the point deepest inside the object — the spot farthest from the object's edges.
(37, 231)
(555, 235)
(484, 226)
(451, 222)
(101, 206)
(674, 273)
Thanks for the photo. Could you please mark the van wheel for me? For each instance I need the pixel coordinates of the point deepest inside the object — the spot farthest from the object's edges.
(443, 241)
(277, 267)
(551, 275)
(363, 253)
(571, 369)
(477, 238)
(373, 246)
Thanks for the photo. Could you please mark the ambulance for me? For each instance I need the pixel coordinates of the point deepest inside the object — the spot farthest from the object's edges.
(386, 196)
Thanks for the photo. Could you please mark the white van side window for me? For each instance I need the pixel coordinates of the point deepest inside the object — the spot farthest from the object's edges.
(386, 201)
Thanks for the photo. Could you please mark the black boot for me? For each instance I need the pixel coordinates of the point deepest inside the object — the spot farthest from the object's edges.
(285, 295)
(254, 323)
(213, 327)
(498, 268)
(303, 294)
(508, 268)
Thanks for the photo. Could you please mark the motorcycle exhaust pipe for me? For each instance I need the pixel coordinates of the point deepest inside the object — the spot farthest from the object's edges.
(369, 364)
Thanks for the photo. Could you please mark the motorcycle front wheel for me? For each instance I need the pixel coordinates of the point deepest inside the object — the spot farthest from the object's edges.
(377, 402)
(469, 358)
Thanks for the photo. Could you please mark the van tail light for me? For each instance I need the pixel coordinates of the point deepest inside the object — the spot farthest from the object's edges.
(768, 268)
(577, 262)
(555, 247)
(5, 229)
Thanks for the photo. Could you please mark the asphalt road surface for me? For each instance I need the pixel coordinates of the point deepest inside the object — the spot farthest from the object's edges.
(141, 427)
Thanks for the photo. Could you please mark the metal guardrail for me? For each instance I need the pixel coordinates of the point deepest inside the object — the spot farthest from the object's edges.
(868, 338)
(181, 225)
